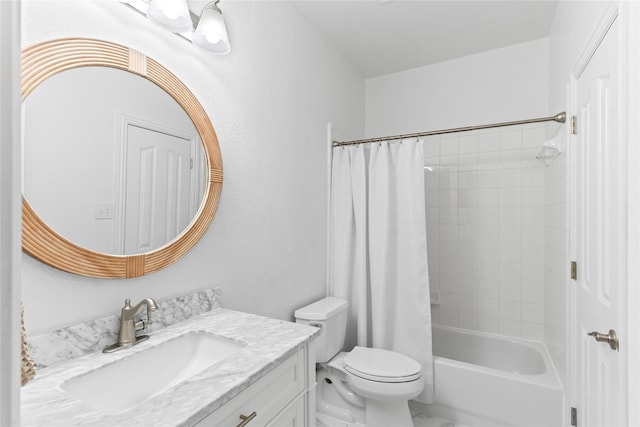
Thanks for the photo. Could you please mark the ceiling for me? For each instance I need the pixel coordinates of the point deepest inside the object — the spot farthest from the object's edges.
(385, 36)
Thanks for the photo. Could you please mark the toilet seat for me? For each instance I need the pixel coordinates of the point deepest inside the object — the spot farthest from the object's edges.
(376, 364)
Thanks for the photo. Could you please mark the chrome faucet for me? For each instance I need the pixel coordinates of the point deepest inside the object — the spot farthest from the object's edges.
(128, 326)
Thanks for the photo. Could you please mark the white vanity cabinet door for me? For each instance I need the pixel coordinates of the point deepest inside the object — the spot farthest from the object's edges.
(293, 416)
(267, 397)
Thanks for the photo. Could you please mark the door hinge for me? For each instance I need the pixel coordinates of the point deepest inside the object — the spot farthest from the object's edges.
(574, 417)
(574, 125)
(574, 270)
(190, 163)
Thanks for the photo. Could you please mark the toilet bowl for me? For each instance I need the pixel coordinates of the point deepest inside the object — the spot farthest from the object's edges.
(364, 387)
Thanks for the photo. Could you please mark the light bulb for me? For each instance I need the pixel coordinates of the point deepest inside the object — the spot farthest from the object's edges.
(172, 15)
(211, 32)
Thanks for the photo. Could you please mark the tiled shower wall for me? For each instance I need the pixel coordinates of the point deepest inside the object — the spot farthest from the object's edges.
(485, 198)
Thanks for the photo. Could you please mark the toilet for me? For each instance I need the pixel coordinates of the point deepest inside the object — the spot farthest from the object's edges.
(366, 387)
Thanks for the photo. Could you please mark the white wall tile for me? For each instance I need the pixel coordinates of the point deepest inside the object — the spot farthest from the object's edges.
(511, 139)
(432, 215)
(511, 197)
(529, 158)
(533, 138)
(510, 215)
(448, 180)
(431, 146)
(489, 178)
(510, 159)
(489, 253)
(468, 233)
(489, 197)
(511, 254)
(533, 196)
(489, 324)
(532, 331)
(532, 275)
(468, 197)
(489, 288)
(489, 142)
(533, 294)
(468, 215)
(448, 285)
(468, 319)
(511, 310)
(448, 197)
(448, 215)
(448, 300)
(510, 272)
(510, 327)
(449, 250)
(431, 180)
(468, 251)
(449, 162)
(533, 216)
(533, 313)
(489, 160)
(468, 179)
(489, 307)
(468, 162)
(510, 291)
(468, 285)
(448, 145)
(468, 143)
(492, 232)
(448, 317)
(533, 177)
(511, 178)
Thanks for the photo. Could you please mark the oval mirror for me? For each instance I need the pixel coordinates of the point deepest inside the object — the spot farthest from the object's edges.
(122, 166)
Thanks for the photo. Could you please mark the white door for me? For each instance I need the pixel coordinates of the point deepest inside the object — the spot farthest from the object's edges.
(157, 188)
(599, 237)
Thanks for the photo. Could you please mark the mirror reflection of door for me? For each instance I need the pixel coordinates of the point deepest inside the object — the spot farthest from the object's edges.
(157, 184)
(75, 127)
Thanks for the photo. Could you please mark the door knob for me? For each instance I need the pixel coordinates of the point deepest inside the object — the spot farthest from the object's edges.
(610, 338)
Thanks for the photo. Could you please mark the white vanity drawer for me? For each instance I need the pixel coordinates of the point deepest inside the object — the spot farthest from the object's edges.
(267, 397)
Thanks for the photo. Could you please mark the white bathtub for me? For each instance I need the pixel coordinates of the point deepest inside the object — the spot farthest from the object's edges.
(489, 380)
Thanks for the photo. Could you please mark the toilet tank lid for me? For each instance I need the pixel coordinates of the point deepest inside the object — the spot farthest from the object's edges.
(322, 309)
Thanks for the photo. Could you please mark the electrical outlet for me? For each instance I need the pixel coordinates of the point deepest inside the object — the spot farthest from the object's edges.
(104, 210)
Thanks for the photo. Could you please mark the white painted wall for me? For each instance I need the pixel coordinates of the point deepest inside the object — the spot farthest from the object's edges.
(269, 101)
(495, 86)
(485, 190)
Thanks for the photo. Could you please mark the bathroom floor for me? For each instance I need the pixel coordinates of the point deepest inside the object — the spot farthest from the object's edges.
(419, 420)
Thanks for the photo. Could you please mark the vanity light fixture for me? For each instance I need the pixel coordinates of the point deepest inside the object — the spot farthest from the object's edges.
(211, 32)
(207, 30)
(172, 15)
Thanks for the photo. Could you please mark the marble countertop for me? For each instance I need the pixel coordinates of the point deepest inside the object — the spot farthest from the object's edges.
(269, 342)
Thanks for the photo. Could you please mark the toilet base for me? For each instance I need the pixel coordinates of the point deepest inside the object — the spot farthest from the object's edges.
(323, 420)
(342, 408)
(385, 414)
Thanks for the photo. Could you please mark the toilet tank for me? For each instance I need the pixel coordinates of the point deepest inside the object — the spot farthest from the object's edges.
(330, 315)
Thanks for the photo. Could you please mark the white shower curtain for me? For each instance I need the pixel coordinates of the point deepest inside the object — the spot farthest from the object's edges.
(379, 248)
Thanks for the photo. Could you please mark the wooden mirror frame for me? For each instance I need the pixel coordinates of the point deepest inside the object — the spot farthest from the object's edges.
(42, 61)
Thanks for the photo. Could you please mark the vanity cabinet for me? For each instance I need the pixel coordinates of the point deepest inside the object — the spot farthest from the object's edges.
(283, 397)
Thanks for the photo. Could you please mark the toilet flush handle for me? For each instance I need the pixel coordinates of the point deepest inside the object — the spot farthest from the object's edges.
(317, 325)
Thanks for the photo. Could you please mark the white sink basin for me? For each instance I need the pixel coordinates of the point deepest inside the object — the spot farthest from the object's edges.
(122, 385)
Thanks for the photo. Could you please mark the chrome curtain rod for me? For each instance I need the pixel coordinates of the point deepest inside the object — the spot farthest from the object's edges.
(559, 118)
